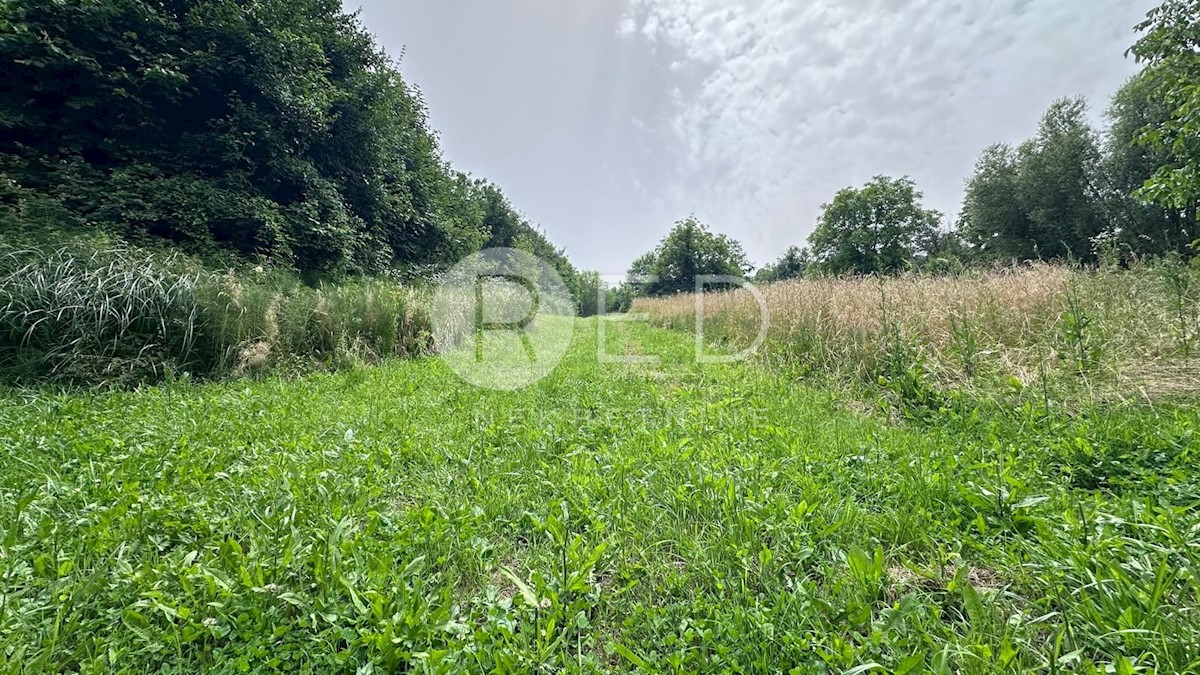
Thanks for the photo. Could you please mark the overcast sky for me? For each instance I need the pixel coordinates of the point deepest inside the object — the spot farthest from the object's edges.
(607, 120)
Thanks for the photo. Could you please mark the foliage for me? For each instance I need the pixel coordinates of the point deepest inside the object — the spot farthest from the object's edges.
(791, 265)
(878, 228)
(1144, 228)
(591, 293)
(507, 228)
(690, 250)
(1057, 172)
(112, 314)
(276, 129)
(945, 251)
(993, 218)
(1042, 200)
(641, 269)
(1169, 48)
(620, 297)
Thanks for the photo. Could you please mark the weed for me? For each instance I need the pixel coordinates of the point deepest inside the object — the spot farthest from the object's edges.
(1079, 344)
(964, 345)
(1181, 290)
(1127, 329)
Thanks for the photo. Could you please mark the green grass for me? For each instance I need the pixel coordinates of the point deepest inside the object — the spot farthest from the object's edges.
(669, 518)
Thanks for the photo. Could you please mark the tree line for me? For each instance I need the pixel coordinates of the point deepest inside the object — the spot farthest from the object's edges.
(272, 130)
(1068, 193)
(278, 130)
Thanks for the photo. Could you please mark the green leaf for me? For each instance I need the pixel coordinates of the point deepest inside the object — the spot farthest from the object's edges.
(630, 656)
(910, 664)
(526, 593)
(865, 668)
(974, 604)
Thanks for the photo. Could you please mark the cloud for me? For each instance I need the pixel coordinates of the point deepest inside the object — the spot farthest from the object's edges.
(780, 103)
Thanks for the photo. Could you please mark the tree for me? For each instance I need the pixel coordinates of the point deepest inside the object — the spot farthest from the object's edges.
(688, 251)
(1170, 50)
(944, 249)
(1042, 200)
(994, 219)
(591, 290)
(620, 298)
(791, 265)
(273, 129)
(505, 227)
(874, 229)
(641, 268)
(641, 272)
(1057, 178)
(1142, 227)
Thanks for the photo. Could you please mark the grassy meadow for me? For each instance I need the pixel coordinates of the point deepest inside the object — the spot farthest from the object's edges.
(668, 517)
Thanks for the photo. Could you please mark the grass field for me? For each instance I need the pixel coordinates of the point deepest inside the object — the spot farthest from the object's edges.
(663, 518)
(1119, 332)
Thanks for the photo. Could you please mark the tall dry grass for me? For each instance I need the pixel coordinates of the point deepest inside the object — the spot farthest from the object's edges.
(1133, 327)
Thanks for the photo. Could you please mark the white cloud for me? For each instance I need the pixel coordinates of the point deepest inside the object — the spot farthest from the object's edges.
(650, 27)
(795, 99)
(628, 26)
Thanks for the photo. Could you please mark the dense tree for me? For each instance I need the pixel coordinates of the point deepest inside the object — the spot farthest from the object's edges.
(791, 265)
(874, 229)
(1141, 227)
(688, 251)
(592, 291)
(641, 269)
(620, 298)
(1170, 50)
(994, 218)
(639, 279)
(272, 128)
(505, 227)
(1042, 200)
(943, 249)
(1058, 172)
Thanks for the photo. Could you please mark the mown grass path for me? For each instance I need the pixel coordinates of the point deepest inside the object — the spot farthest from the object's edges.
(670, 517)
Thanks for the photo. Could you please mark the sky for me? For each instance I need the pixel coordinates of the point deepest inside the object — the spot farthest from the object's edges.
(605, 121)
